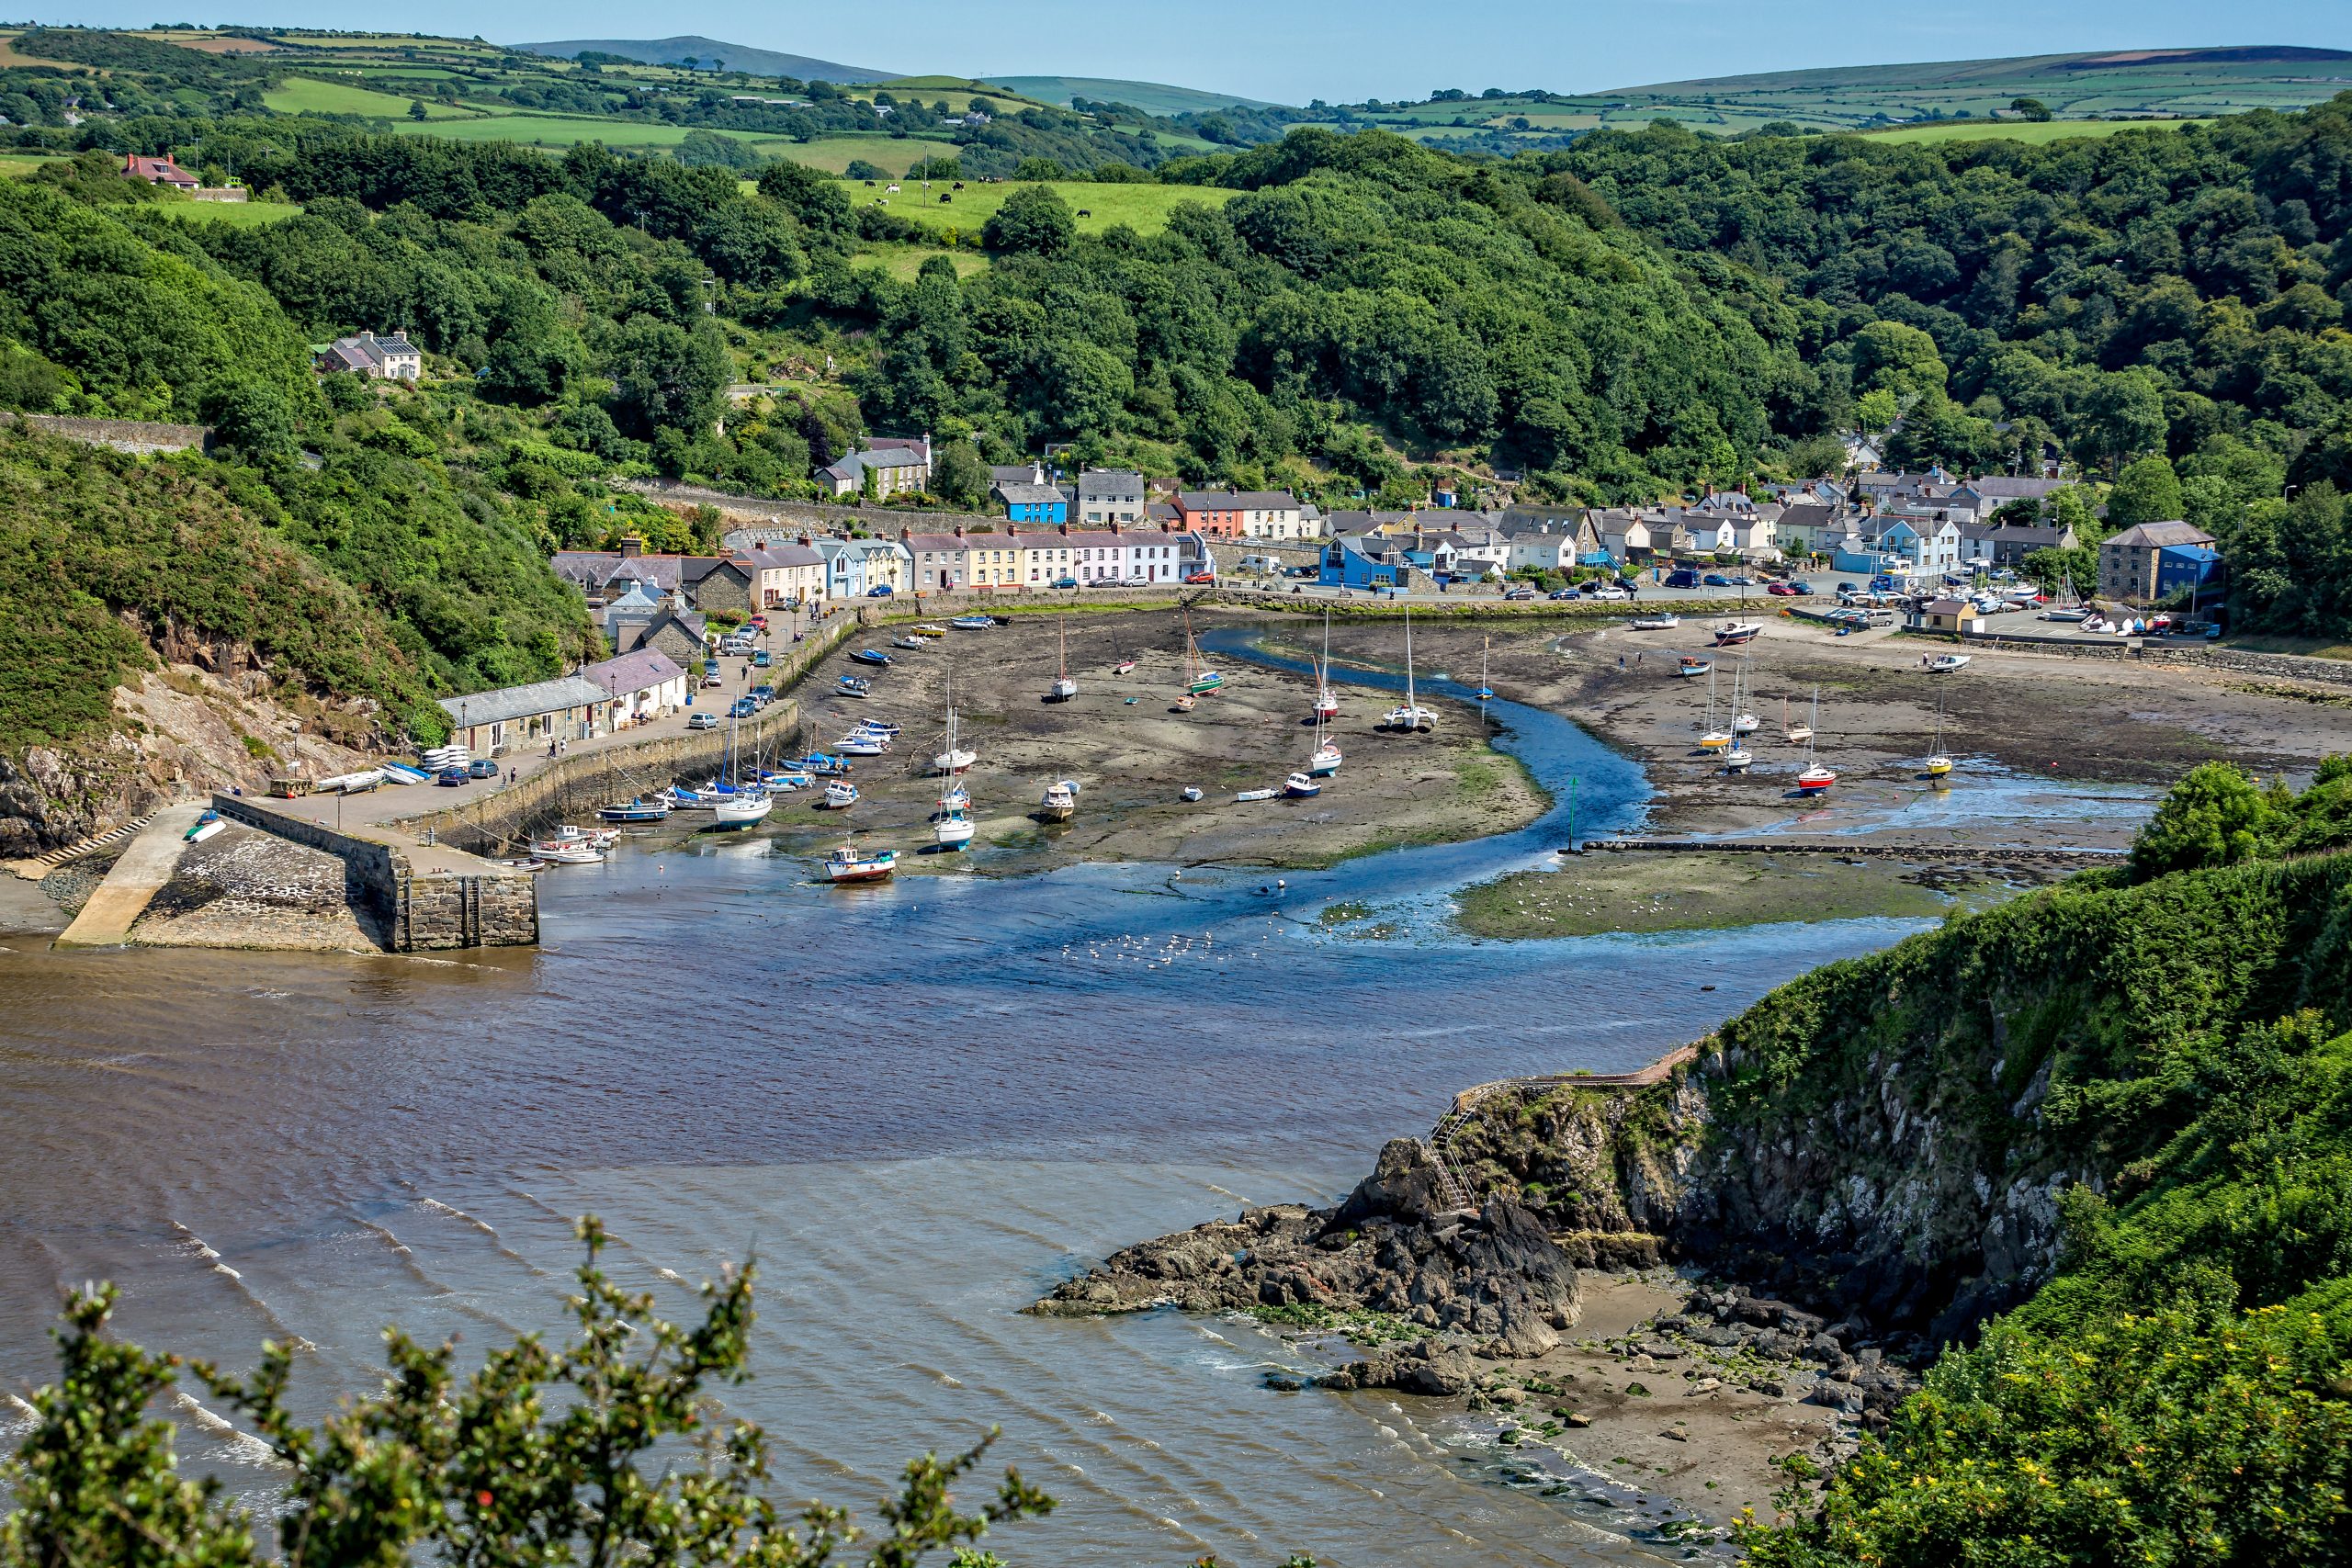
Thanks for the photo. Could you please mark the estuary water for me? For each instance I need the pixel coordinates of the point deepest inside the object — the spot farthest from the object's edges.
(919, 1104)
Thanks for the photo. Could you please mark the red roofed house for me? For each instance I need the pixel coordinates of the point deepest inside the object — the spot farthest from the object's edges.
(158, 170)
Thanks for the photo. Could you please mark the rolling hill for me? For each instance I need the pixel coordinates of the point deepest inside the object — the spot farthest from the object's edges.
(738, 57)
(1152, 97)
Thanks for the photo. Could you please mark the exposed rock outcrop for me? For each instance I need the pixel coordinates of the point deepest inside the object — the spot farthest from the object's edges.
(1495, 1277)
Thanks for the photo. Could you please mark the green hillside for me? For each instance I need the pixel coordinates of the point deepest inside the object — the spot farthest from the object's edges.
(1152, 97)
(706, 51)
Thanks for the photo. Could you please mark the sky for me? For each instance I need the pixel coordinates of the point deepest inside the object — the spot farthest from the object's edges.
(1340, 50)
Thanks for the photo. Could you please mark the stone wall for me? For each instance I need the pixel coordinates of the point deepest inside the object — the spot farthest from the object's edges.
(415, 913)
(135, 435)
(876, 520)
(2193, 655)
(573, 785)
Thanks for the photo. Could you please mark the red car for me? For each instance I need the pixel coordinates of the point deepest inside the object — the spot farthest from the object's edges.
(1201, 576)
(1779, 591)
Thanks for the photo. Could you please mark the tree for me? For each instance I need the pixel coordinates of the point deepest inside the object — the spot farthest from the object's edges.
(1902, 359)
(2145, 491)
(664, 375)
(416, 109)
(1033, 219)
(2029, 109)
(257, 419)
(2214, 816)
(960, 477)
(2123, 413)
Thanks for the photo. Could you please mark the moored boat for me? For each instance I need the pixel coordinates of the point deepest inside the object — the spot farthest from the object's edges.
(1731, 634)
(1691, 668)
(205, 826)
(1663, 623)
(1191, 792)
(852, 686)
(929, 628)
(1301, 785)
(1064, 688)
(1409, 714)
(1059, 803)
(973, 622)
(567, 854)
(862, 745)
(1325, 762)
(1737, 758)
(1257, 795)
(850, 863)
(636, 809)
(873, 656)
(1124, 667)
(1816, 778)
(745, 810)
(907, 639)
(839, 795)
(1945, 663)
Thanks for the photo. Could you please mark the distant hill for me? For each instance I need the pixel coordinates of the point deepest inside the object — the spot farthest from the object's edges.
(704, 51)
(2173, 82)
(1152, 97)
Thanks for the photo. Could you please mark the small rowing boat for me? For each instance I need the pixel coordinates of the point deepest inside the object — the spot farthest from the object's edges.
(873, 656)
(205, 826)
(1258, 795)
(852, 686)
(973, 622)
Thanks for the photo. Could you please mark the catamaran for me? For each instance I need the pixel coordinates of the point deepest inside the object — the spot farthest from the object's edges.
(1815, 779)
(1410, 715)
(1063, 688)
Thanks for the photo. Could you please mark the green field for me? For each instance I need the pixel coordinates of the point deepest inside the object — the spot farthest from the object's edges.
(1152, 97)
(833, 153)
(561, 132)
(232, 214)
(903, 262)
(15, 166)
(1144, 208)
(304, 95)
(2036, 131)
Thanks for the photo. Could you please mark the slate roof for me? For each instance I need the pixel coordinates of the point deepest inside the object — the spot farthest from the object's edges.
(1237, 501)
(2161, 535)
(1025, 494)
(523, 701)
(1110, 484)
(639, 671)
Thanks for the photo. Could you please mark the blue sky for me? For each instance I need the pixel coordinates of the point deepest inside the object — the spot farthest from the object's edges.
(1337, 50)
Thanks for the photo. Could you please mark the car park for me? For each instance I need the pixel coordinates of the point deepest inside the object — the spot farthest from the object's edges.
(702, 721)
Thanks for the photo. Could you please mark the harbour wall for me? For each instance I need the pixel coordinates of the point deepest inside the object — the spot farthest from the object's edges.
(413, 912)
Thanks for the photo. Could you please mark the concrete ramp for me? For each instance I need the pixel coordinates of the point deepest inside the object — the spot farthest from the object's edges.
(137, 877)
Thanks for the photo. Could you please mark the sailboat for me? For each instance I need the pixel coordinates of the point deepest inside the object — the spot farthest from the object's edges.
(1063, 688)
(1484, 694)
(1742, 721)
(1816, 778)
(1710, 738)
(1411, 716)
(1798, 733)
(953, 828)
(1938, 763)
(1325, 760)
(1199, 679)
(1737, 756)
(954, 759)
(738, 808)
(1327, 701)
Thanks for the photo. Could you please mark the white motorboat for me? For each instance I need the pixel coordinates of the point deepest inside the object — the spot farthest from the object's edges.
(1258, 795)
(839, 795)
(1731, 634)
(745, 810)
(974, 623)
(907, 639)
(1945, 663)
(637, 809)
(862, 746)
(1409, 714)
(596, 838)
(1665, 622)
(568, 854)
(1059, 803)
(1299, 786)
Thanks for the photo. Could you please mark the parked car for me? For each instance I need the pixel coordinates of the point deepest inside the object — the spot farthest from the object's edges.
(880, 591)
(743, 707)
(1801, 590)
(1201, 576)
(712, 680)
(1849, 588)
(1613, 591)
(1065, 582)
(1779, 591)
(762, 693)
(481, 767)
(1562, 594)
(702, 720)
(759, 660)
(1741, 580)
(1716, 579)
(451, 778)
(1519, 595)
(1682, 577)
(1138, 581)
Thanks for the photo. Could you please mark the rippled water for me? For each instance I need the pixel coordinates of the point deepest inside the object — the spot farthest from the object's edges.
(921, 1104)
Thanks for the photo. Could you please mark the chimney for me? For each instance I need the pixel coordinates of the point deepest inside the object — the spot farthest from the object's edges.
(632, 546)
(1065, 530)
(1037, 473)
(758, 544)
(904, 535)
(807, 542)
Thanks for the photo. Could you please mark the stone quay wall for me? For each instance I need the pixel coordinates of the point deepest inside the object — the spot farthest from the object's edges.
(416, 913)
(139, 437)
(573, 787)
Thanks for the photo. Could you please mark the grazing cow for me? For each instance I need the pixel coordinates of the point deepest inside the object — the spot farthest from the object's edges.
(1085, 212)
(959, 185)
(944, 196)
(869, 184)
(890, 188)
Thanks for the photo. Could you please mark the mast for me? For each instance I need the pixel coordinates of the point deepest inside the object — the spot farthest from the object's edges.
(1412, 707)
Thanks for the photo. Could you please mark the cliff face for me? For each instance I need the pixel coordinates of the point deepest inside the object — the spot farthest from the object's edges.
(1890, 1137)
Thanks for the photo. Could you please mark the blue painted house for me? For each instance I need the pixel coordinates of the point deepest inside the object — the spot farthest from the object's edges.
(2184, 568)
(1027, 503)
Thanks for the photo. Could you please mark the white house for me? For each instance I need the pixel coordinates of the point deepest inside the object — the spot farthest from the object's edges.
(643, 685)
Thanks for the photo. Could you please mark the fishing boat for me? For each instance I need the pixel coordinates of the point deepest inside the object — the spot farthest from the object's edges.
(839, 795)
(1798, 733)
(973, 622)
(555, 853)
(1938, 765)
(1258, 795)
(882, 727)
(873, 656)
(635, 809)
(1198, 676)
(823, 765)
(1689, 668)
(850, 863)
(205, 826)
(1299, 786)
(1410, 715)
(1731, 634)
(1059, 803)
(1063, 688)
(907, 639)
(953, 757)
(786, 781)
(929, 628)
(1662, 623)
(1815, 779)
(852, 686)
(601, 839)
(1945, 663)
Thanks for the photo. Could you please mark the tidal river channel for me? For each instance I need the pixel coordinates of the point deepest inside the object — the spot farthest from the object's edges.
(920, 1104)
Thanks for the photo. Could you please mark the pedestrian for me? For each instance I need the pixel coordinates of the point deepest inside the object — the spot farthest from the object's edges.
(1621, 662)
(513, 774)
